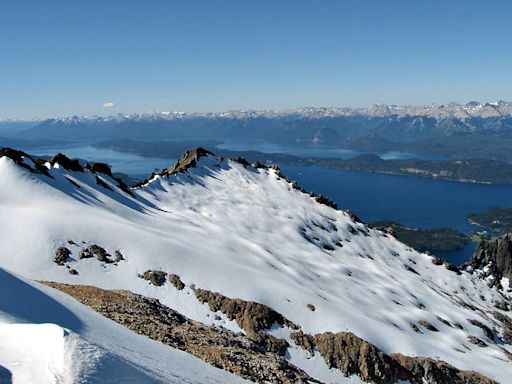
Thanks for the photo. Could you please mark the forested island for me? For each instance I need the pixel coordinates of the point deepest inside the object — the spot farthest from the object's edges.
(496, 219)
(432, 240)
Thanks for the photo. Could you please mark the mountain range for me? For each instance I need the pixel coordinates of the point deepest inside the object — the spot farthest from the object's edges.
(215, 262)
(473, 130)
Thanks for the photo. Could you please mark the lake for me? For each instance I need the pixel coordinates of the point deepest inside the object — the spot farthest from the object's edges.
(410, 200)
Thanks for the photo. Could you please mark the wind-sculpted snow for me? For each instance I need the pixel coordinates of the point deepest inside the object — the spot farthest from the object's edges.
(47, 337)
(249, 233)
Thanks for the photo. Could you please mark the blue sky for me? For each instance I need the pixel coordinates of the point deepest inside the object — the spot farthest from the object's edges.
(59, 58)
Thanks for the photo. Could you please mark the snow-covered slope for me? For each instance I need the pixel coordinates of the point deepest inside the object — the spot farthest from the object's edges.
(47, 337)
(247, 233)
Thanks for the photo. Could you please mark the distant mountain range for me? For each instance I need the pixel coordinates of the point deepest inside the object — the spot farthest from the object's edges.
(446, 131)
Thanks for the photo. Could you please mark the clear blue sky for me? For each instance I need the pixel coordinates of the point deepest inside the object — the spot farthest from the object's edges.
(60, 58)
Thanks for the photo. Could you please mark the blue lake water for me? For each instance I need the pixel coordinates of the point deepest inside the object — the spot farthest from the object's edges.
(307, 151)
(410, 200)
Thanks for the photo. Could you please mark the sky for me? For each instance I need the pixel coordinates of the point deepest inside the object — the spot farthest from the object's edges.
(86, 57)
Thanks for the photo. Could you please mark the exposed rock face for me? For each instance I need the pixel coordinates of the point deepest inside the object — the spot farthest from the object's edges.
(252, 317)
(94, 250)
(100, 168)
(506, 323)
(487, 331)
(61, 255)
(188, 160)
(496, 255)
(176, 281)
(18, 156)
(428, 325)
(219, 347)
(421, 370)
(118, 256)
(352, 355)
(66, 162)
(156, 278)
(475, 340)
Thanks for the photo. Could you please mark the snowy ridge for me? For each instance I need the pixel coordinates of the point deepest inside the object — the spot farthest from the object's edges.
(47, 337)
(249, 233)
(472, 109)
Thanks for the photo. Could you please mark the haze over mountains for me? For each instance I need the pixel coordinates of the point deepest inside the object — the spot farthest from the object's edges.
(473, 130)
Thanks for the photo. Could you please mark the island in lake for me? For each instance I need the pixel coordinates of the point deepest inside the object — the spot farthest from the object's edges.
(496, 219)
(432, 240)
(469, 170)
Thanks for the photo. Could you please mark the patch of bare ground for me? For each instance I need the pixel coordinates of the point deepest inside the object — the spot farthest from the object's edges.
(219, 347)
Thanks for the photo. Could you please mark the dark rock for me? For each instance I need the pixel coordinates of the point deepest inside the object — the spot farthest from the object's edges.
(311, 307)
(18, 156)
(188, 160)
(487, 331)
(427, 325)
(477, 341)
(66, 162)
(354, 217)
(355, 356)
(176, 281)
(304, 340)
(100, 168)
(61, 255)
(94, 250)
(257, 165)
(216, 346)
(241, 160)
(496, 255)
(249, 315)
(156, 278)
(427, 370)
(73, 271)
(506, 323)
(118, 256)
(444, 321)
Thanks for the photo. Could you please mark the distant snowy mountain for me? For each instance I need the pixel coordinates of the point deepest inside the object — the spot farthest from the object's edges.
(378, 128)
(240, 247)
(439, 111)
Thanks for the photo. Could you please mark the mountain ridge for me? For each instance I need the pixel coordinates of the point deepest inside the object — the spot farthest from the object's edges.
(248, 233)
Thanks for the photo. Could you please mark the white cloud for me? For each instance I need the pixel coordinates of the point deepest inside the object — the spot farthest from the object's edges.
(108, 104)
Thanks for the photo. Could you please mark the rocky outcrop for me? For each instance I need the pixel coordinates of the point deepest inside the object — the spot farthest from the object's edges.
(94, 250)
(219, 347)
(157, 278)
(252, 317)
(66, 162)
(496, 257)
(506, 323)
(176, 281)
(188, 160)
(61, 255)
(355, 356)
(425, 370)
(37, 166)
